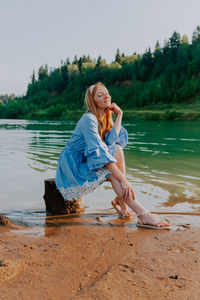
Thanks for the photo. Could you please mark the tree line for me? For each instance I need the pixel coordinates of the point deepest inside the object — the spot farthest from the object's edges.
(168, 74)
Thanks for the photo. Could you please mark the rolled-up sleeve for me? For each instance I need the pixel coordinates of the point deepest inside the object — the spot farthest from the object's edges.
(96, 151)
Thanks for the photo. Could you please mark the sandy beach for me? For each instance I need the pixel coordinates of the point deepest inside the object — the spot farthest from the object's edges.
(92, 257)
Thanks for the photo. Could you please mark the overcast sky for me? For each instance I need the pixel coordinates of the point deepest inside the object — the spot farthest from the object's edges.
(35, 32)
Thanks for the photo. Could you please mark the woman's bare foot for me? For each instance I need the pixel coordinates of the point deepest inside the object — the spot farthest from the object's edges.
(121, 208)
(146, 219)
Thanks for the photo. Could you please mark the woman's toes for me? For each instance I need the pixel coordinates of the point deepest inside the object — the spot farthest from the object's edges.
(163, 224)
(121, 209)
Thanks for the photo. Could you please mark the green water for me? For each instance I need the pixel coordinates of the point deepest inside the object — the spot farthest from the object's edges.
(162, 162)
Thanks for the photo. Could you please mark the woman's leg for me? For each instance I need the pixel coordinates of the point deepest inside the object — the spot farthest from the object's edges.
(118, 203)
(145, 216)
(119, 155)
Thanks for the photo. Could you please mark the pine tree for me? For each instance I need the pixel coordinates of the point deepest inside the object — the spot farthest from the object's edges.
(65, 73)
(118, 57)
(68, 61)
(75, 61)
(89, 59)
(174, 41)
(41, 73)
(80, 64)
(46, 71)
(84, 59)
(100, 63)
(157, 46)
(196, 35)
(33, 77)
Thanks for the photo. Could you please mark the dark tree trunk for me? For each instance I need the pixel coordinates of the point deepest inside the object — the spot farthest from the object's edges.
(4, 221)
(55, 203)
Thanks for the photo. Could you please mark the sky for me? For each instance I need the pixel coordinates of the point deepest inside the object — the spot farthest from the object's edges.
(36, 32)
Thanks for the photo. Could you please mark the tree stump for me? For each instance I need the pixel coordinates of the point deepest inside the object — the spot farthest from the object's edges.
(55, 203)
(4, 221)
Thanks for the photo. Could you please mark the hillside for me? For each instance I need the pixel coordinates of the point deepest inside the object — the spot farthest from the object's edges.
(159, 84)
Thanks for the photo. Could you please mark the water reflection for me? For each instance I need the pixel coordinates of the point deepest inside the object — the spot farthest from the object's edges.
(46, 145)
(53, 225)
(162, 160)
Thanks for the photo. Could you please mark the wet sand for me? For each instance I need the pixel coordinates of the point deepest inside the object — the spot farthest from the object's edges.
(97, 257)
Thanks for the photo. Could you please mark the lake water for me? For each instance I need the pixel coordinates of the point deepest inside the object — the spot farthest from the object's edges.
(162, 161)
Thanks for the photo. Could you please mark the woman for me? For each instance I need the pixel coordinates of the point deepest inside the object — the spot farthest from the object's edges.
(94, 154)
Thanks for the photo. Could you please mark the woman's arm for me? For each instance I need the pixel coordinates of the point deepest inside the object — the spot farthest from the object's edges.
(115, 171)
(118, 122)
(116, 109)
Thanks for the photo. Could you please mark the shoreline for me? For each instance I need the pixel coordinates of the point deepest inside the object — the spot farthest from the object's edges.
(31, 219)
(162, 113)
(91, 257)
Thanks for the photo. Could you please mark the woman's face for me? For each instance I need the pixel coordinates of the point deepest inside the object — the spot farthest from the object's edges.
(102, 97)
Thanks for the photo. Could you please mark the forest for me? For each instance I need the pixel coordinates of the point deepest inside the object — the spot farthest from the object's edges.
(163, 83)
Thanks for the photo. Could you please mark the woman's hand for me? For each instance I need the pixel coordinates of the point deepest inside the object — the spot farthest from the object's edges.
(127, 190)
(115, 108)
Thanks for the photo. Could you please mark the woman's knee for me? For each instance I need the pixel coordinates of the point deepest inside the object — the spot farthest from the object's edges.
(118, 152)
(119, 155)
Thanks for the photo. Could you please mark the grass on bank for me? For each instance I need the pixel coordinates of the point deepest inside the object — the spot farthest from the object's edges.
(167, 112)
(174, 112)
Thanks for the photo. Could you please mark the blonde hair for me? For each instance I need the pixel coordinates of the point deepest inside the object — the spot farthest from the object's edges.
(107, 123)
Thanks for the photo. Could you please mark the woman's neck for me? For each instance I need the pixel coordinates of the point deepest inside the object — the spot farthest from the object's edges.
(101, 113)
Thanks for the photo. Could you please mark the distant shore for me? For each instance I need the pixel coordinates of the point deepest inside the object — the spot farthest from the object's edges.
(190, 112)
(162, 112)
(86, 257)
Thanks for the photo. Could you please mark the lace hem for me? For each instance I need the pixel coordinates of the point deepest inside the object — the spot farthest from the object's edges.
(75, 192)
